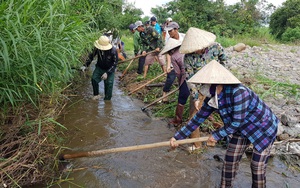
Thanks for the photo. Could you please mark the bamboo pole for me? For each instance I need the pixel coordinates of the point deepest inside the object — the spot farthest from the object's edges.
(147, 83)
(138, 56)
(170, 93)
(129, 148)
(125, 71)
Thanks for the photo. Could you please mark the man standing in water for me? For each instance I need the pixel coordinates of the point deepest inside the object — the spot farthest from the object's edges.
(107, 60)
(245, 116)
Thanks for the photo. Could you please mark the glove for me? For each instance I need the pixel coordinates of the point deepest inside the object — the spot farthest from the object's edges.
(104, 76)
(83, 68)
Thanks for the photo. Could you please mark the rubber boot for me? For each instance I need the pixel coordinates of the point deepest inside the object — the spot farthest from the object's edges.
(178, 116)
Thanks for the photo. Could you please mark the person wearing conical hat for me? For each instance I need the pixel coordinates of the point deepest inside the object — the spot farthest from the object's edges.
(107, 60)
(172, 48)
(200, 48)
(246, 117)
(171, 28)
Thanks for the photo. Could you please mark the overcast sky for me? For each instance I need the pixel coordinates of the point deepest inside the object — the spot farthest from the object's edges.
(146, 5)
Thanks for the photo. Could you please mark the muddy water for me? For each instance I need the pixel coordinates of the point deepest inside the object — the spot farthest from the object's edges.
(95, 125)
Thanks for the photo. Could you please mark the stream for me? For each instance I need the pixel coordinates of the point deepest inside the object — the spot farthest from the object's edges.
(95, 125)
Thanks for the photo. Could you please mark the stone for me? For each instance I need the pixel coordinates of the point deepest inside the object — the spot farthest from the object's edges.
(283, 137)
(239, 47)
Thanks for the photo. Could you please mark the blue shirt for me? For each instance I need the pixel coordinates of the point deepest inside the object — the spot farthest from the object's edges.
(242, 111)
(157, 28)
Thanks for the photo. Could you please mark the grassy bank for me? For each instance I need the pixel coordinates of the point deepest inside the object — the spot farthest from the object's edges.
(41, 43)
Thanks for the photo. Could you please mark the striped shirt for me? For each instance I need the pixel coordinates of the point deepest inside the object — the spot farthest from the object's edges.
(242, 111)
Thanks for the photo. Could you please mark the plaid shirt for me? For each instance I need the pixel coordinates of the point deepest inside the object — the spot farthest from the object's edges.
(242, 111)
(194, 62)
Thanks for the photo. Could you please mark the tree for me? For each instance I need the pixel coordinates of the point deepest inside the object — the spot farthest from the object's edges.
(285, 18)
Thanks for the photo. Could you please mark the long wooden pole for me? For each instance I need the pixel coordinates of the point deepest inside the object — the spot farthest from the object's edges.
(162, 97)
(120, 62)
(125, 71)
(147, 83)
(129, 148)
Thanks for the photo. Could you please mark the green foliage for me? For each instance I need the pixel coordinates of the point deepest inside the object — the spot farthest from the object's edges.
(40, 42)
(286, 18)
(291, 35)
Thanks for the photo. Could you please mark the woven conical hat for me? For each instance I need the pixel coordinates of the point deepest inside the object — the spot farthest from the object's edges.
(171, 44)
(196, 39)
(214, 73)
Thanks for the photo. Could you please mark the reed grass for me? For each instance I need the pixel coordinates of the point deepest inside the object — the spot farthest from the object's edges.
(40, 42)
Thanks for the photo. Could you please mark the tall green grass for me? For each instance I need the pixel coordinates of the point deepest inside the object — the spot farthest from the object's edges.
(40, 42)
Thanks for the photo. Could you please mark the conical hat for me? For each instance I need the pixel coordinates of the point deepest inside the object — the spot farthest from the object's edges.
(196, 39)
(171, 44)
(214, 73)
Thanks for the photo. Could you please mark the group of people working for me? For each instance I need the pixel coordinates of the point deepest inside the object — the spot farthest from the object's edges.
(199, 62)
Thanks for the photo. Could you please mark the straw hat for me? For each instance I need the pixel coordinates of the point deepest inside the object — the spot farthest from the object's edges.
(170, 45)
(214, 73)
(103, 43)
(196, 39)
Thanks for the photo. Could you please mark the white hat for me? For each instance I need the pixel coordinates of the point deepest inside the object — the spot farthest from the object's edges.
(171, 44)
(169, 19)
(214, 73)
(196, 39)
(103, 43)
(137, 24)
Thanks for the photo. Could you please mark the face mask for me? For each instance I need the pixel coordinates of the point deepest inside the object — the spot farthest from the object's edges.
(204, 90)
(213, 102)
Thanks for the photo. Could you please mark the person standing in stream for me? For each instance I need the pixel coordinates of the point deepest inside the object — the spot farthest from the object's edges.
(246, 118)
(107, 60)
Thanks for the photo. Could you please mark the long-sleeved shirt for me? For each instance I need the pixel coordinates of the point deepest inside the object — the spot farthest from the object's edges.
(194, 62)
(150, 39)
(178, 65)
(243, 112)
(136, 42)
(106, 59)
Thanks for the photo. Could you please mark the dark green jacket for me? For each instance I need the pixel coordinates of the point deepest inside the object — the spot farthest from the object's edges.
(150, 39)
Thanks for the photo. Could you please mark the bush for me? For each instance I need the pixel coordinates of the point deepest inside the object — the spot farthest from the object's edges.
(291, 35)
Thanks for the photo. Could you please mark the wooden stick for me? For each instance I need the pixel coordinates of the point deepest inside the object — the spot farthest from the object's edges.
(147, 83)
(138, 56)
(288, 140)
(125, 71)
(160, 98)
(129, 148)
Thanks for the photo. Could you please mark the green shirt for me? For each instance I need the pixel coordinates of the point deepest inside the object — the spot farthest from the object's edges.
(136, 42)
(150, 40)
(194, 62)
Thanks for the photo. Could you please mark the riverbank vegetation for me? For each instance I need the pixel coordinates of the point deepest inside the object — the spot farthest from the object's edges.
(43, 43)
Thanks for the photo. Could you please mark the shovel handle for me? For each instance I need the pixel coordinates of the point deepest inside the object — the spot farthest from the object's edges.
(125, 71)
(138, 56)
(160, 98)
(129, 148)
(147, 83)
